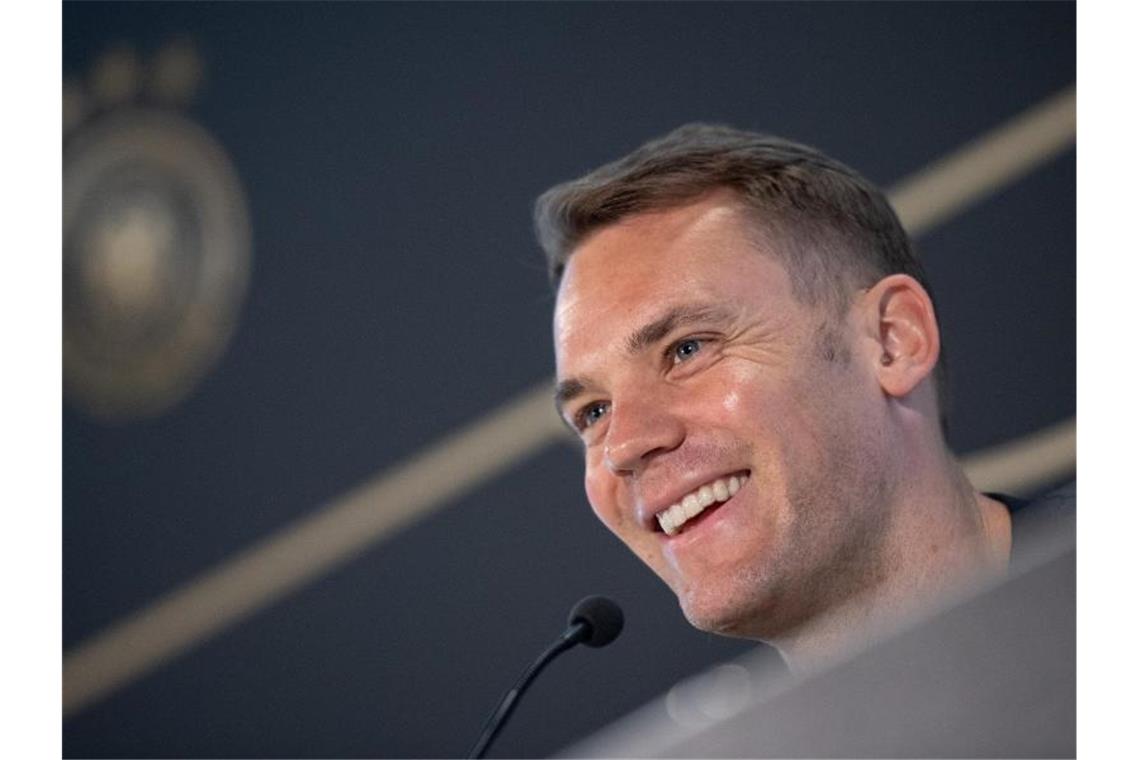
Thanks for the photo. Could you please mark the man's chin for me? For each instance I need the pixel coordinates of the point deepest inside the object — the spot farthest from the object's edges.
(716, 616)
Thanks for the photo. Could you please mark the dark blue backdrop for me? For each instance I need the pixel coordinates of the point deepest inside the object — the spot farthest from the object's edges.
(390, 153)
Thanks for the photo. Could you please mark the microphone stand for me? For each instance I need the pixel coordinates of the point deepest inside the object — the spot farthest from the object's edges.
(573, 635)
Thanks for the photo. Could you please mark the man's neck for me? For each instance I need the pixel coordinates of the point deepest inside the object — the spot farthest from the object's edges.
(946, 542)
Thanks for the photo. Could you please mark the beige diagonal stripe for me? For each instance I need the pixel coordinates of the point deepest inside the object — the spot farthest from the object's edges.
(335, 532)
(980, 167)
(1045, 456)
(309, 547)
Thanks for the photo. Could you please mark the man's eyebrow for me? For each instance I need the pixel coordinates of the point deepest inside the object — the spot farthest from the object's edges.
(566, 391)
(641, 339)
(678, 316)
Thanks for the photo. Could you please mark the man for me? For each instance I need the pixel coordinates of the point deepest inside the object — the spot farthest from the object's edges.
(747, 346)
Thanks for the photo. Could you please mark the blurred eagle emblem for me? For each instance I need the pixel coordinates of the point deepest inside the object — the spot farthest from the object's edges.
(156, 237)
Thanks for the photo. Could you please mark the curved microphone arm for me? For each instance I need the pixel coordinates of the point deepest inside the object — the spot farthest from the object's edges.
(575, 634)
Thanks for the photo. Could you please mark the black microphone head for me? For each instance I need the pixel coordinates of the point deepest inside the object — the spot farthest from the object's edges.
(603, 617)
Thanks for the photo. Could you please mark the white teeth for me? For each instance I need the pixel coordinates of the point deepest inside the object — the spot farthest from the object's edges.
(693, 504)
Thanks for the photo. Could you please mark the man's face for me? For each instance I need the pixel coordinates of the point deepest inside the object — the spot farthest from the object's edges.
(685, 361)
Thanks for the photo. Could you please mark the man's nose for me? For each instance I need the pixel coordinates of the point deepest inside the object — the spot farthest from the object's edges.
(639, 431)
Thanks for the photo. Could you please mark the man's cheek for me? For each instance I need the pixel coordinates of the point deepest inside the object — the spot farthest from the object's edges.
(603, 503)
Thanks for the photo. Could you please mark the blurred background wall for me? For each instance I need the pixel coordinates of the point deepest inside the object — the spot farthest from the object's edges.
(315, 500)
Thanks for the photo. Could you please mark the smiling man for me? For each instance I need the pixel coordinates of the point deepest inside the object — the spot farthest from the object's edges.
(748, 349)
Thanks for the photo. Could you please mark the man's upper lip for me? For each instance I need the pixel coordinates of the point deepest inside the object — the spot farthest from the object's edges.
(651, 502)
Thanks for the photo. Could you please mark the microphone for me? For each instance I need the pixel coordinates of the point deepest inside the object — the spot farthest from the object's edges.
(595, 621)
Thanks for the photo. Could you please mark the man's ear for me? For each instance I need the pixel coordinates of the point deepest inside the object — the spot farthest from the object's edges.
(906, 332)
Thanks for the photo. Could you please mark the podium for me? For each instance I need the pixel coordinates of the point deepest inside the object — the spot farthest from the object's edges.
(993, 676)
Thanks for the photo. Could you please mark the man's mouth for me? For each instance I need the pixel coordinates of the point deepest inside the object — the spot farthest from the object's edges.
(674, 519)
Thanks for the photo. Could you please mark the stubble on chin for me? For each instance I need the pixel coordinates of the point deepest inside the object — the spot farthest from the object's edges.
(829, 552)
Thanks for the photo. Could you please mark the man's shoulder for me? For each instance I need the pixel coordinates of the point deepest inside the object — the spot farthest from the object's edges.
(1050, 518)
(1059, 502)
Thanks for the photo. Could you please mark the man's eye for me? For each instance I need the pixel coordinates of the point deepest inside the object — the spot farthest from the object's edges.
(591, 413)
(685, 350)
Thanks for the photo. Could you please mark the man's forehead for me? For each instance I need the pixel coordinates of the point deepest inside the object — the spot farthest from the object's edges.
(623, 315)
(626, 275)
(630, 281)
(716, 216)
(651, 251)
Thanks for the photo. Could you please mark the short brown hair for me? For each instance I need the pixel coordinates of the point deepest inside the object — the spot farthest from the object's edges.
(833, 230)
